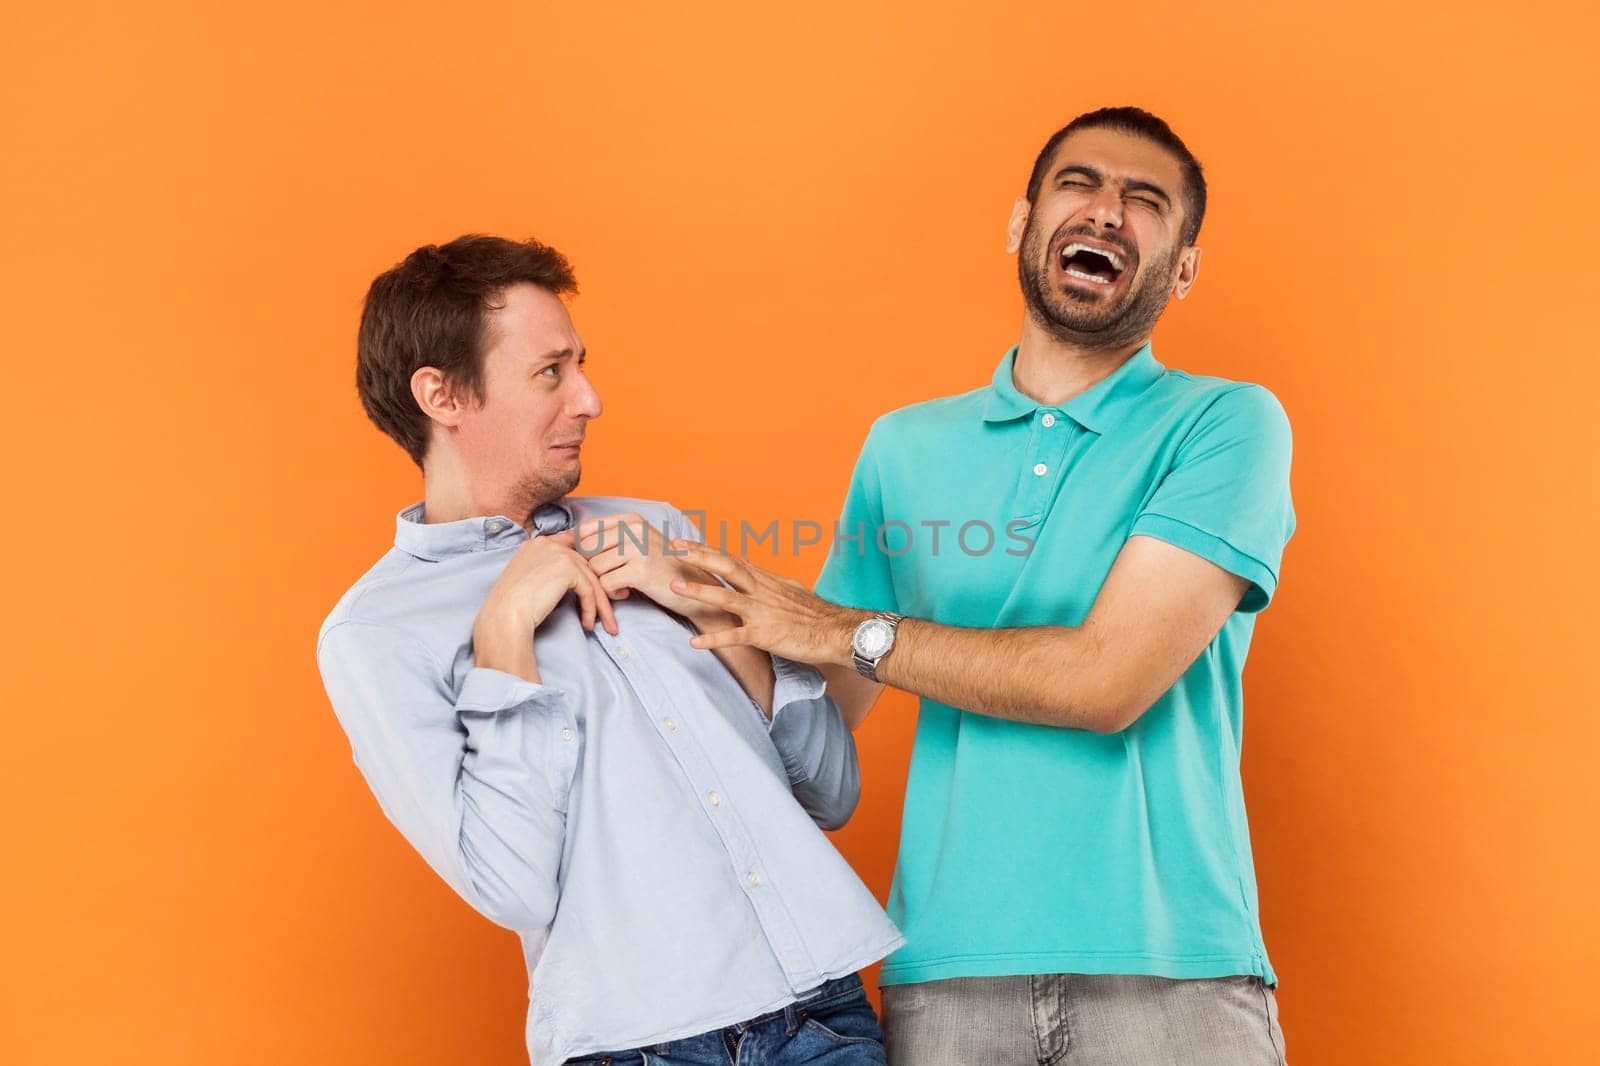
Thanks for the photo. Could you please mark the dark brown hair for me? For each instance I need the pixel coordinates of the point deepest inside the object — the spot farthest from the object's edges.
(431, 309)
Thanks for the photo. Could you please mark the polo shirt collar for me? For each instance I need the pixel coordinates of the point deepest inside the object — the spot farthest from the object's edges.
(1096, 410)
(435, 541)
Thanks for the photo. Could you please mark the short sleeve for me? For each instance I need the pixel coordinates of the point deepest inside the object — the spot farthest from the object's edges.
(856, 573)
(1226, 498)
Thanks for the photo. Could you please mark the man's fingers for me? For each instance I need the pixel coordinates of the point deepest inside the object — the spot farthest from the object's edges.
(606, 561)
(595, 541)
(722, 638)
(715, 595)
(603, 606)
(734, 571)
(627, 532)
(583, 587)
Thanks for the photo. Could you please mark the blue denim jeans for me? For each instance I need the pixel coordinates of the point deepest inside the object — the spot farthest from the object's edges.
(832, 1026)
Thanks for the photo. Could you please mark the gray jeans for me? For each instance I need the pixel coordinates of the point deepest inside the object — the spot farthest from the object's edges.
(1082, 1020)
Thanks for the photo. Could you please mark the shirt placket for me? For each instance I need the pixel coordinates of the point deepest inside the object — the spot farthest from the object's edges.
(1051, 435)
(699, 769)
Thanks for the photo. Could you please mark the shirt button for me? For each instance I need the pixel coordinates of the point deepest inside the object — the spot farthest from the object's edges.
(622, 653)
(566, 734)
(716, 800)
(1048, 420)
(752, 879)
(495, 527)
(1039, 469)
(671, 724)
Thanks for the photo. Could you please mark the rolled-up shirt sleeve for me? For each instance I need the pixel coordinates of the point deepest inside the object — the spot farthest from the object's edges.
(818, 750)
(476, 781)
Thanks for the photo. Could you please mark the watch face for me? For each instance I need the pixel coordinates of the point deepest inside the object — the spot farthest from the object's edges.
(872, 638)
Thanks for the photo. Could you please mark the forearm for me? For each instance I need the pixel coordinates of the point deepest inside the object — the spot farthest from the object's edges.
(854, 694)
(505, 645)
(1045, 675)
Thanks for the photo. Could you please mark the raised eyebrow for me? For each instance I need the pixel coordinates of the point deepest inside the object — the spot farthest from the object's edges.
(562, 353)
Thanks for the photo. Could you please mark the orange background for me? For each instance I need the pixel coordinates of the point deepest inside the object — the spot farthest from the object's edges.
(784, 223)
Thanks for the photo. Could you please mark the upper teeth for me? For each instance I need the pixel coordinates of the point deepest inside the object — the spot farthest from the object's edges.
(1074, 248)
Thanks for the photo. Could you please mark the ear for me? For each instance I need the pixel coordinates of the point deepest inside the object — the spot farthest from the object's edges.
(1019, 222)
(1188, 270)
(434, 395)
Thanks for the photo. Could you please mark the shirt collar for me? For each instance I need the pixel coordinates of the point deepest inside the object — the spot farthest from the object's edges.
(435, 541)
(1098, 409)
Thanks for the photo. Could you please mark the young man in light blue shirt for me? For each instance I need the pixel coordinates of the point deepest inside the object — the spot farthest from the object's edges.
(516, 682)
(1079, 550)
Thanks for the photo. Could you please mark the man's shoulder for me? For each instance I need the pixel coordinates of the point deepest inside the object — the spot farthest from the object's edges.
(1211, 400)
(1207, 389)
(917, 420)
(365, 602)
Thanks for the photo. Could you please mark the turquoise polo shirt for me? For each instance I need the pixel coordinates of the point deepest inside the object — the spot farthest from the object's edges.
(1028, 849)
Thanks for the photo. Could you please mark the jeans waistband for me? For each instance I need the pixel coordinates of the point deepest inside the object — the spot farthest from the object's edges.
(794, 1015)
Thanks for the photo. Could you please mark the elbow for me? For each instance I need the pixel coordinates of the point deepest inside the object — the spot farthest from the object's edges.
(837, 813)
(1114, 716)
(832, 807)
(1105, 712)
(528, 911)
(1110, 723)
(834, 817)
(516, 888)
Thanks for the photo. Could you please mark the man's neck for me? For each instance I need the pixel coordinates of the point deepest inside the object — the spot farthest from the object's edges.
(1051, 371)
(447, 498)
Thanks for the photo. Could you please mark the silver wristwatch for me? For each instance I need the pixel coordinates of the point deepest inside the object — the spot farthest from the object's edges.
(872, 640)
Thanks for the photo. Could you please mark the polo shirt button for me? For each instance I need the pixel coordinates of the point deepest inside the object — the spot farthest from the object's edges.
(1039, 469)
(1048, 420)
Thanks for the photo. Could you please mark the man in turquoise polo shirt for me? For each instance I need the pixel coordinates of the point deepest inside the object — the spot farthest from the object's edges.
(1078, 551)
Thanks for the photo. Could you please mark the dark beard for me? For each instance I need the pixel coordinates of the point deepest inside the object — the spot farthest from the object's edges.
(1068, 319)
(546, 488)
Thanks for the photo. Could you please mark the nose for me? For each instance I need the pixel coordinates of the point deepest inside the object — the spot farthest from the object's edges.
(584, 401)
(1105, 210)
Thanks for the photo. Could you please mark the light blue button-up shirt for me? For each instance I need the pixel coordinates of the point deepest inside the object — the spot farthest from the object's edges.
(635, 818)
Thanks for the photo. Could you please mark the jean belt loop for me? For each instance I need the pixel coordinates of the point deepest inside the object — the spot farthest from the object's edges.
(794, 1015)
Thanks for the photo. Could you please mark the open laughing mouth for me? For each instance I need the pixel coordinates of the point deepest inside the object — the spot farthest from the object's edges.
(1092, 263)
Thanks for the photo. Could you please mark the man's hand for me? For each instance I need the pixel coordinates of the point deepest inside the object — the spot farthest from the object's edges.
(775, 613)
(628, 553)
(542, 572)
(625, 552)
